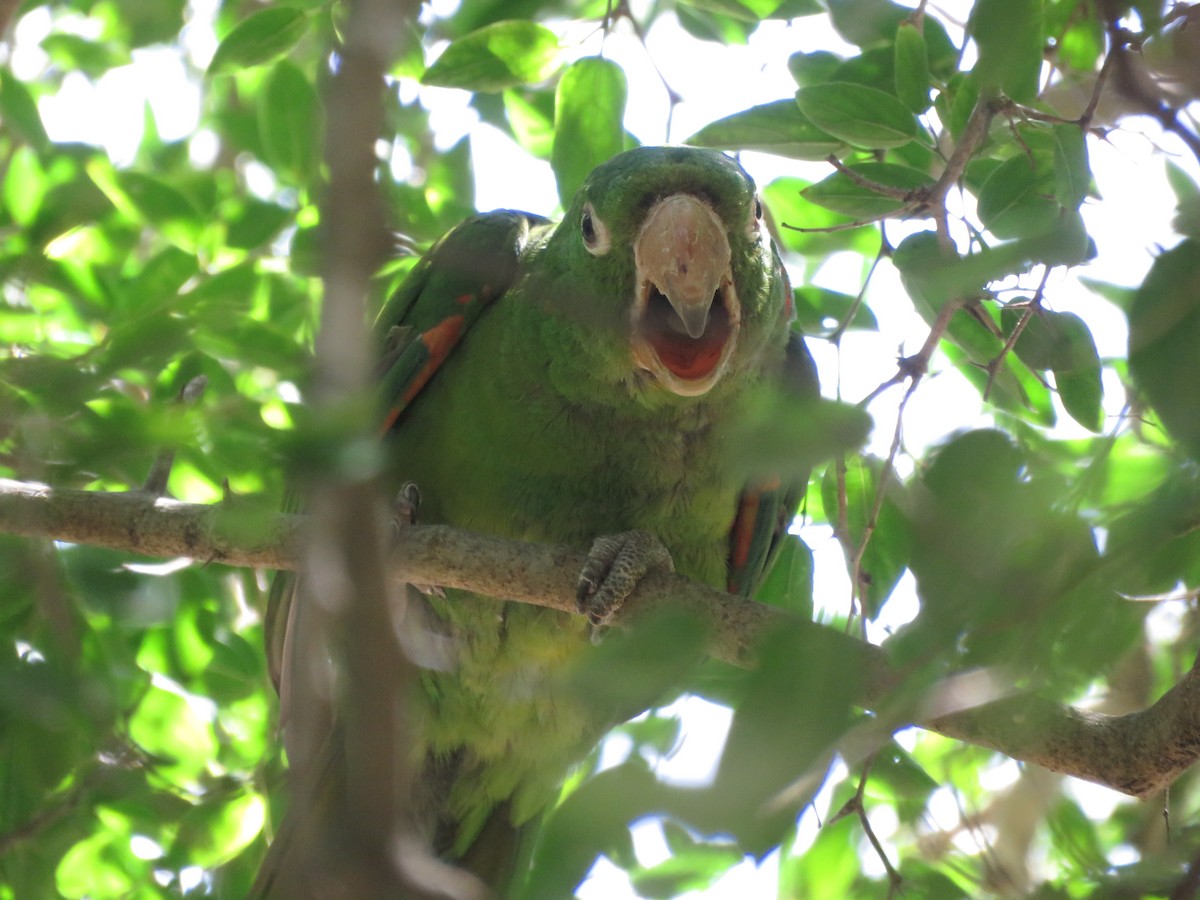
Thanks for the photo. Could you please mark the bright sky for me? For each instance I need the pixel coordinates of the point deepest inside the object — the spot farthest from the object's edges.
(714, 82)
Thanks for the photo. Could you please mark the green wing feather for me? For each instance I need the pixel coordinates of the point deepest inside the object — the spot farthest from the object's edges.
(417, 329)
(442, 297)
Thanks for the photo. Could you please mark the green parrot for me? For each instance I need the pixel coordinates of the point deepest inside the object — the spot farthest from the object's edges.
(576, 384)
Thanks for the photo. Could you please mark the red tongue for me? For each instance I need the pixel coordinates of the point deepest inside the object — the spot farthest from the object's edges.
(687, 358)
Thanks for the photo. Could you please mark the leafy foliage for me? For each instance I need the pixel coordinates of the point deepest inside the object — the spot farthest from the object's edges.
(138, 748)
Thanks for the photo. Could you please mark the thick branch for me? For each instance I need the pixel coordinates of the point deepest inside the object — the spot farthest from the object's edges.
(1138, 754)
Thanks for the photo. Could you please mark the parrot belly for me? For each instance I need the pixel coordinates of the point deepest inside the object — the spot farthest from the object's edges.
(493, 450)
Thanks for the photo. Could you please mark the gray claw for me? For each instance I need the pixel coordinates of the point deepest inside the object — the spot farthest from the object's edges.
(405, 507)
(615, 565)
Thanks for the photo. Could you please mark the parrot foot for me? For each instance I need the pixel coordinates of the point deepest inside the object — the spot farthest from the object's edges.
(405, 506)
(615, 565)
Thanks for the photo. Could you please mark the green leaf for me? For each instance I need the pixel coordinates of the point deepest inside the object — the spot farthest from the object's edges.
(289, 121)
(777, 127)
(710, 26)
(1010, 40)
(497, 56)
(766, 755)
(24, 186)
(861, 116)
(912, 68)
(1076, 370)
(19, 111)
(1018, 198)
(1075, 835)
(100, 867)
(1082, 395)
(872, 25)
(789, 583)
(1187, 215)
(649, 669)
(1116, 294)
(216, 830)
(163, 206)
(532, 125)
(589, 115)
(749, 10)
(900, 779)
(258, 39)
(161, 275)
(595, 815)
(687, 869)
(74, 52)
(792, 211)
(1072, 174)
(873, 68)
(1038, 344)
(819, 311)
(866, 22)
(827, 870)
(152, 22)
(932, 274)
(956, 102)
(886, 554)
(780, 436)
(1164, 332)
(813, 68)
(167, 725)
(1081, 44)
(842, 193)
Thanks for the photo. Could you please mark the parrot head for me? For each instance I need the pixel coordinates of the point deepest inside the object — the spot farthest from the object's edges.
(670, 256)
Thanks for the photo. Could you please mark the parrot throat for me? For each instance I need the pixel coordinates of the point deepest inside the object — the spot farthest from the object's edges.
(691, 360)
(686, 314)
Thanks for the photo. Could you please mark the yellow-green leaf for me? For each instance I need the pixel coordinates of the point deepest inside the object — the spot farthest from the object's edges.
(842, 193)
(497, 56)
(1164, 332)
(1072, 175)
(912, 68)
(1009, 36)
(861, 116)
(289, 121)
(1018, 198)
(259, 39)
(777, 127)
(589, 115)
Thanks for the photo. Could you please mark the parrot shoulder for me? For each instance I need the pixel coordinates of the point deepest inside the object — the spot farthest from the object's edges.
(443, 296)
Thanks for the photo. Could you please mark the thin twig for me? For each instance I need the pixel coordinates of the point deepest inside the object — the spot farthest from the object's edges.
(1031, 310)
(836, 337)
(856, 807)
(875, 187)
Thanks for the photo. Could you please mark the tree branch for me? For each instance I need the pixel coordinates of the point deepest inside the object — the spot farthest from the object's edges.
(1138, 754)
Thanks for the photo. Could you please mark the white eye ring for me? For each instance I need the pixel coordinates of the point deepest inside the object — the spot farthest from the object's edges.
(596, 239)
(756, 217)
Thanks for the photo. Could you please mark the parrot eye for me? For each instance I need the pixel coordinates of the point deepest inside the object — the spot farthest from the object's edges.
(753, 228)
(595, 234)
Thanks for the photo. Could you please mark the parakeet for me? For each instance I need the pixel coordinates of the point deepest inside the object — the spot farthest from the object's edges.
(576, 384)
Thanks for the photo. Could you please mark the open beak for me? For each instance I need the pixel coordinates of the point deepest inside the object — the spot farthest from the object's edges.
(686, 314)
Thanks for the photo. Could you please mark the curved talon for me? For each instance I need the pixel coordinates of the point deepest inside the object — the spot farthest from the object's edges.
(406, 505)
(615, 565)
